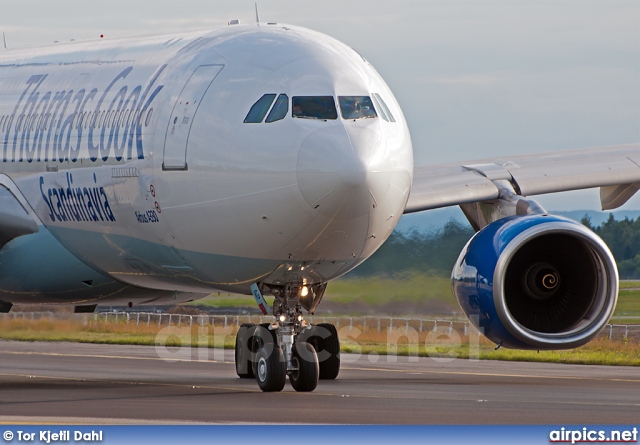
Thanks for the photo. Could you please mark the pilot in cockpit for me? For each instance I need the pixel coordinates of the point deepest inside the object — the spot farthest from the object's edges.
(351, 110)
(354, 108)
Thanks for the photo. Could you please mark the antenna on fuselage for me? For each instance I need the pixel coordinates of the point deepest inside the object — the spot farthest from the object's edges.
(257, 17)
(4, 39)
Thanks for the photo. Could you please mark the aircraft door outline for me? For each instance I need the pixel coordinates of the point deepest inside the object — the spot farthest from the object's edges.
(184, 111)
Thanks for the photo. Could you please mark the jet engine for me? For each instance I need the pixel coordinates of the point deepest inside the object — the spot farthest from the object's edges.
(536, 282)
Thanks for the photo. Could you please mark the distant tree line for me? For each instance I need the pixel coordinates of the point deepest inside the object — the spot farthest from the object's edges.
(623, 238)
(435, 252)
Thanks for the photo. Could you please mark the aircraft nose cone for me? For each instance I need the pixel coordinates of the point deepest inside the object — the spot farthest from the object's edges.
(341, 171)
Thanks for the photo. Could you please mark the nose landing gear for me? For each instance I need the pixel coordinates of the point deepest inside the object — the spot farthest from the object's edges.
(288, 347)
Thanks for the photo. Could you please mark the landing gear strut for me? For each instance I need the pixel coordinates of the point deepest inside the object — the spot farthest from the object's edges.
(288, 347)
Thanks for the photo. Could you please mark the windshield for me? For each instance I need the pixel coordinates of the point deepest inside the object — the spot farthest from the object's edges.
(314, 107)
(259, 109)
(384, 109)
(356, 107)
(279, 110)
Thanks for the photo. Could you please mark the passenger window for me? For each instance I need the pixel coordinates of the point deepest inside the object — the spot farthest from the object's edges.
(280, 109)
(356, 107)
(383, 106)
(314, 107)
(259, 109)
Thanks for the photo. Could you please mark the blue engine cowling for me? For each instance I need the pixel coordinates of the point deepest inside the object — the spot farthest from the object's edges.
(536, 282)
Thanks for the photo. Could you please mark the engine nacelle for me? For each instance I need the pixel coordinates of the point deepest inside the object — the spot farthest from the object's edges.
(536, 282)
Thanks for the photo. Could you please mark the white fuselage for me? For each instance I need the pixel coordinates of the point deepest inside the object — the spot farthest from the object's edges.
(136, 157)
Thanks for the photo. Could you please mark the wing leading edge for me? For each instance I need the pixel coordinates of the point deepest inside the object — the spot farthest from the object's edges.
(615, 169)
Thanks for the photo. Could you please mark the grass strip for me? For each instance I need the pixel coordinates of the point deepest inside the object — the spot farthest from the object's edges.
(600, 351)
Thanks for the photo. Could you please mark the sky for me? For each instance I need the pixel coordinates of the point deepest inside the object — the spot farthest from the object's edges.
(474, 78)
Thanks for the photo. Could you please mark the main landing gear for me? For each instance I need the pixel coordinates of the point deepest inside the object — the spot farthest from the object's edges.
(288, 347)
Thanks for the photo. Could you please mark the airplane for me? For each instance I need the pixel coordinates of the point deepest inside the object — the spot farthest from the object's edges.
(268, 159)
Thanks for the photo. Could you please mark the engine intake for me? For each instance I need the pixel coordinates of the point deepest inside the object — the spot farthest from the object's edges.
(536, 282)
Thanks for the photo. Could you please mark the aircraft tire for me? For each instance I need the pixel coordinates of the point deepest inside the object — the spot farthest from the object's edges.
(243, 355)
(262, 337)
(305, 359)
(271, 369)
(329, 367)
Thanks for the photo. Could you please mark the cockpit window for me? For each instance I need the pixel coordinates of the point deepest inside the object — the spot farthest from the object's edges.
(383, 115)
(314, 107)
(280, 109)
(259, 110)
(382, 106)
(356, 107)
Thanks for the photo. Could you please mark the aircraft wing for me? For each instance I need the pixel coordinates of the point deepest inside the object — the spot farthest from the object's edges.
(615, 169)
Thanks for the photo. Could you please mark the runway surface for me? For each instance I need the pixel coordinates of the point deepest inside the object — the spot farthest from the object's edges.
(82, 383)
